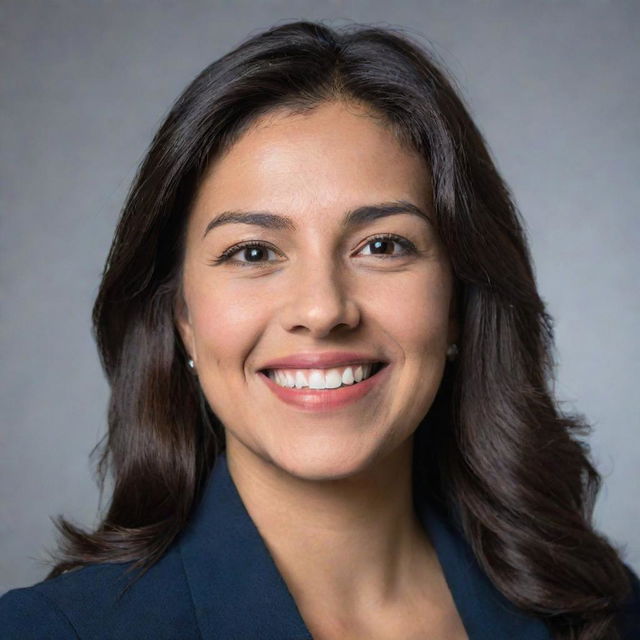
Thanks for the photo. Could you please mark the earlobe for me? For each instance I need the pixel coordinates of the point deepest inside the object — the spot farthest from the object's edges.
(454, 332)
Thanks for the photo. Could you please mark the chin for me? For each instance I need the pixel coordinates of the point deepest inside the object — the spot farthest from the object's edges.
(318, 463)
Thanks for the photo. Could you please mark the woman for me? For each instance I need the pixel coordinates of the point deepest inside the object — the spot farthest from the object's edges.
(331, 413)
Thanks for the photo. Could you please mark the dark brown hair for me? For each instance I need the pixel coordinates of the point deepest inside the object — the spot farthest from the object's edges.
(494, 447)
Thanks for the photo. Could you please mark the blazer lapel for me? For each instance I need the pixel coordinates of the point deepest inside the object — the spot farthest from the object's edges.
(485, 612)
(237, 590)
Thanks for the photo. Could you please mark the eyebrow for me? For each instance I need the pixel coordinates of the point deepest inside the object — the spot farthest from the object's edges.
(353, 217)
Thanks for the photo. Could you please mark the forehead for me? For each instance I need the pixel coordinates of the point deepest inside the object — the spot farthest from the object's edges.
(337, 156)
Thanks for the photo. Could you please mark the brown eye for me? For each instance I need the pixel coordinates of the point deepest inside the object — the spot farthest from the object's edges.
(383, 246)
(253, 252)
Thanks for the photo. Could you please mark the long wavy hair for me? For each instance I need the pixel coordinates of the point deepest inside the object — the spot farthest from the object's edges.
(495, 446)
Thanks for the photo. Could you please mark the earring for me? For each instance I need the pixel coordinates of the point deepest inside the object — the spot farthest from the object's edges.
(191, 364)
(452, 351)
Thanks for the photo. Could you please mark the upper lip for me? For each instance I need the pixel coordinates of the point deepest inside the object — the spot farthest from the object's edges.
(322, 360)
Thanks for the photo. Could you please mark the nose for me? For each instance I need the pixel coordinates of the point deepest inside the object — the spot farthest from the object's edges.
(319, 299)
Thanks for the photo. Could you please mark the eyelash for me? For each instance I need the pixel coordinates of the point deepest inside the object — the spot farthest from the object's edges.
(408, 246)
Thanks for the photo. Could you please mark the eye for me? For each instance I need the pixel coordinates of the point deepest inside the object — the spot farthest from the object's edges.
(251, 250)
(382, 242)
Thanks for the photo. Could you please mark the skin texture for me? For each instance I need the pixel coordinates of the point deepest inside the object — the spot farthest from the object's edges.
(330, 491)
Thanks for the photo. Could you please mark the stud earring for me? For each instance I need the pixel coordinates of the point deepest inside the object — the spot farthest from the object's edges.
(452, 351)
(191, 364)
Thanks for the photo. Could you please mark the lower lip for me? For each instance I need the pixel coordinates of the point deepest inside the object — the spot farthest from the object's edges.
(326, 399)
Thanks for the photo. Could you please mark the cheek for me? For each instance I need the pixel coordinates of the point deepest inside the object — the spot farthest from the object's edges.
(226, 323)
(415, 311)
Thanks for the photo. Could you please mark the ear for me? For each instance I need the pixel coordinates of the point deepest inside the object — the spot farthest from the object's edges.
(182, 317)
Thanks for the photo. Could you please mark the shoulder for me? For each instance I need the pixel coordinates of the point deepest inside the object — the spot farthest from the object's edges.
(92, 602)
(59, 605)
(629, 618)
(26, 613)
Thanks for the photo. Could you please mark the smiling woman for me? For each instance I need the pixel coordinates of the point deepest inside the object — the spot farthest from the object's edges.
(331, 413)
(317, 280)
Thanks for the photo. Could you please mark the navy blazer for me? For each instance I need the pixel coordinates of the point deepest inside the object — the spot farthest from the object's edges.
(218, 581)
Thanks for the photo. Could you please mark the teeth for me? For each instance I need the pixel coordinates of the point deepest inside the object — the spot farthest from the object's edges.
(321, 378)
(330, 380)
(347, 376)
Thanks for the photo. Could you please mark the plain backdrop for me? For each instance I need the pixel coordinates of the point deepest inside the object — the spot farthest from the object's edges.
(553, 86)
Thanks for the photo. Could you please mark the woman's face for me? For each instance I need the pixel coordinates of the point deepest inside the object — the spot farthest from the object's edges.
(317, 284)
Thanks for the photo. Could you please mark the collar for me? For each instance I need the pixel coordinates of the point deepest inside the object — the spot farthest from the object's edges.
(238, 591)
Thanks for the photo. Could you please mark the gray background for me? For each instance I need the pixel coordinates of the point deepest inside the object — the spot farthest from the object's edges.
(554, 86)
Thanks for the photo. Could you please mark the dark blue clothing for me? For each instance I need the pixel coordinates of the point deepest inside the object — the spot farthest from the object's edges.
(218, 581)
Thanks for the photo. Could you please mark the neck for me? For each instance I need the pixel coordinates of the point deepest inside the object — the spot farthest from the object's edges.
(345, 543)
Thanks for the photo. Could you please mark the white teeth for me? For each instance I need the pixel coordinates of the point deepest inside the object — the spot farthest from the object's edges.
(321, 378)
(333, 379)
(347, 376)
(317, 380)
